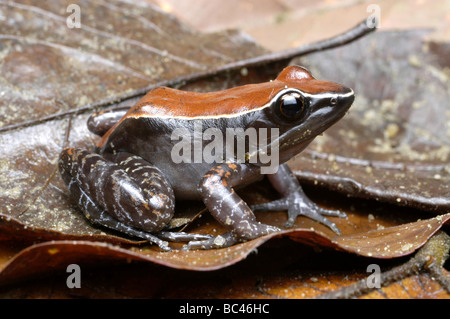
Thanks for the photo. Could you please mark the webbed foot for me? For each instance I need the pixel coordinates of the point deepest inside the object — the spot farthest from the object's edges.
(297, 204)
(295, 201)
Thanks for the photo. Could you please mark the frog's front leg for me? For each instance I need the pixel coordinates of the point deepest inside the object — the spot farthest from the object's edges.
(122, 192)
(295, 201)
(216, 190)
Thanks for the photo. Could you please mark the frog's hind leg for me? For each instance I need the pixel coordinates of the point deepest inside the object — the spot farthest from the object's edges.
(100, 217)
(131, 196)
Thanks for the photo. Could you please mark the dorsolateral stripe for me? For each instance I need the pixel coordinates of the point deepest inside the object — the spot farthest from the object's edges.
(232, 115)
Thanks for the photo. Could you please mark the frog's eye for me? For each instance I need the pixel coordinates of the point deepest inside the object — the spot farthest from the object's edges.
(290, 106)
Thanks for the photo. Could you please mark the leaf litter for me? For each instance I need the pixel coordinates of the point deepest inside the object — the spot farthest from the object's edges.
(398, 157)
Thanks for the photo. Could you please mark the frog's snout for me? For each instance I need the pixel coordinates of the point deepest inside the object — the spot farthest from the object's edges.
(345, 99)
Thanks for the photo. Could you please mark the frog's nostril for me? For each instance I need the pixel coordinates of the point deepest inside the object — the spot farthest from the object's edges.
(333, 101)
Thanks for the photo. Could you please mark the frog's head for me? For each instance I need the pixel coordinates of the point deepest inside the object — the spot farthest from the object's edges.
(303, 108)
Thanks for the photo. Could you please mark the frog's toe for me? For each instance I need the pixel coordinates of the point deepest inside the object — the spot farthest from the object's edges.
(182, 236)
(315, 213)
(220, 241)
(280, 204)
(331, 212)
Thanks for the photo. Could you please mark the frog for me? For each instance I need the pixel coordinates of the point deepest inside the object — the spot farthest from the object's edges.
(130, 181)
